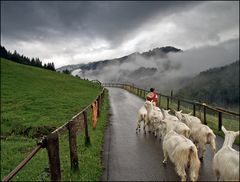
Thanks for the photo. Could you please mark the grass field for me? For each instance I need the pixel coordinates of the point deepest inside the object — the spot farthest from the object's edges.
(36, 101)
(229, 122)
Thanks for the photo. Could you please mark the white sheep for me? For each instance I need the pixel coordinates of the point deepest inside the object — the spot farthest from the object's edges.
(169, 116)
(141, 116)
(154, 116)
(201, 135)
(179, 114)
(178, 127)
(226, 160)
(183, 153)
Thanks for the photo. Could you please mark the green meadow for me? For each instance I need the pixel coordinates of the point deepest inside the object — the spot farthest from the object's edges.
(36, 101)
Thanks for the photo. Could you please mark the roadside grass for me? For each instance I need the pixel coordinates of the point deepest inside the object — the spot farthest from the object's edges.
(89, 157)
(90, 163)
(229, 122)
(34, 102)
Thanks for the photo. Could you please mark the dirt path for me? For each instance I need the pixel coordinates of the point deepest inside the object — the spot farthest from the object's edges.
(138, 157)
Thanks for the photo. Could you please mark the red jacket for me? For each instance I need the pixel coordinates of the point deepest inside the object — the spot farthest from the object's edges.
(152, 96)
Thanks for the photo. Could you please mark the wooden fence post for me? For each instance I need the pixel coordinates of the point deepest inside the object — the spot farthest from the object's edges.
(171, 95)
(102, 98)
(159, 100)
(219, 121)
(194, 110)
(167, 102)
(53, 156)
(98, 105)
(178, 105)
(87, 138)
(73, 144)
(204, 115)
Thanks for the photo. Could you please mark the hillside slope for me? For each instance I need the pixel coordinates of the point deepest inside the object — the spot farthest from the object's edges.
(34, 102)
(216, 86)
(37, 100)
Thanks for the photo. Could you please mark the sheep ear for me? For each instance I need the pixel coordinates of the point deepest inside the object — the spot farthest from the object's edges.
(224, 130)
(190, 113)
(168, 110)
(237, 133)
(180, 111)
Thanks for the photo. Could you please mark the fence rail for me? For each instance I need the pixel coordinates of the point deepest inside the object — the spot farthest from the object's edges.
(142, 93)
(51, 142)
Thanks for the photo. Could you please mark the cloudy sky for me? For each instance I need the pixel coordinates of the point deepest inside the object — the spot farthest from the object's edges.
(80, 32)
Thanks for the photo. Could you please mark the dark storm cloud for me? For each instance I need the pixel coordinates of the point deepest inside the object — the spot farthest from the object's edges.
(108, 20)
(72, 32)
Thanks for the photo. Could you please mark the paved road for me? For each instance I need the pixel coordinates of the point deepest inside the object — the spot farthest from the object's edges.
(129, 156)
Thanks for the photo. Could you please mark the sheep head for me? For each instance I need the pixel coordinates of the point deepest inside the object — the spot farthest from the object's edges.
(178, 114)
(230, 136)
(166, 111)
(226, 132)
(185, 119)
(148, 105)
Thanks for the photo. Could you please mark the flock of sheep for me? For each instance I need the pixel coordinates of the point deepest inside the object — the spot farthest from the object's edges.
(184, 140)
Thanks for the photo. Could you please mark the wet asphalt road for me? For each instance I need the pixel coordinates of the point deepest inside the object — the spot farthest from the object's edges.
(129, 156)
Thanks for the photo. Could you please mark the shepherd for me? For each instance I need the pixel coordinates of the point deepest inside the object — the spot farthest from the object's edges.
(152, 96)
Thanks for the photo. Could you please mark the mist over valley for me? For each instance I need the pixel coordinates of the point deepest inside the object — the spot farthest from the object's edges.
(166, 68)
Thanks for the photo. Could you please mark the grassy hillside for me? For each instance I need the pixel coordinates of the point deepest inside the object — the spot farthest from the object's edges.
(215, 86)
(36, 99)
(34, 102)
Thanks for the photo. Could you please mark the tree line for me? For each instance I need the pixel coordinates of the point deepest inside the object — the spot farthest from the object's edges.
(16, 57)
(217, 86)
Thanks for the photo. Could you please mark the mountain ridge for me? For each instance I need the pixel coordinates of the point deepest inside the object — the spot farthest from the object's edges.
(162, 51)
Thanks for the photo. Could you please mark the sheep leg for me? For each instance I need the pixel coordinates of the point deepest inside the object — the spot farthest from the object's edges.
(144, 126)
(138, 125)
(181, 172)
(155, 133)
(152, 129)
(213, 146)
(149, 128)
(202, 149)
(217, 174)
(159, 135)
(165, 155)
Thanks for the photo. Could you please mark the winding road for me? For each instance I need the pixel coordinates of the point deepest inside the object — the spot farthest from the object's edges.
(129, 156)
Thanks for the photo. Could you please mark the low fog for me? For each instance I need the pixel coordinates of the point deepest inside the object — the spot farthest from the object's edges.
(165, 72)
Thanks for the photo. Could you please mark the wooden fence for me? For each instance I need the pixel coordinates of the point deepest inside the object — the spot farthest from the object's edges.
(142, 93)
(51, 142)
